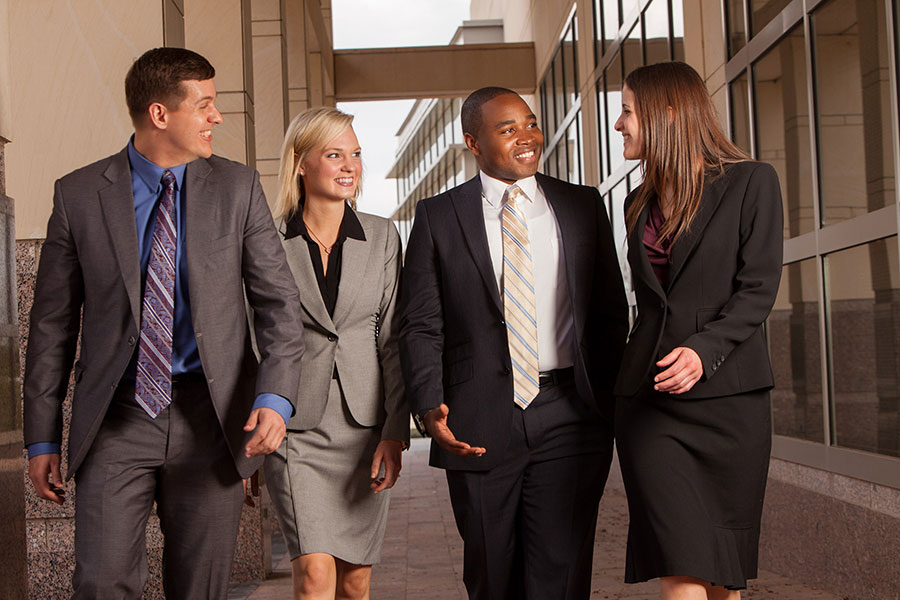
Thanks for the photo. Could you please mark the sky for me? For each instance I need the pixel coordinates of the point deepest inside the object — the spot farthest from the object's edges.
(388, 23)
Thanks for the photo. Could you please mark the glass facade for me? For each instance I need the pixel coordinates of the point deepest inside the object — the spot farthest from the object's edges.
(561, 111)
(813, 90)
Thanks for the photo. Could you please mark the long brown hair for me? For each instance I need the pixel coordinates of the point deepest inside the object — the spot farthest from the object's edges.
(681, 142)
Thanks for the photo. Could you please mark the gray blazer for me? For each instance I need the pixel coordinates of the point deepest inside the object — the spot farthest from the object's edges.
(89, 280)
(368, 363)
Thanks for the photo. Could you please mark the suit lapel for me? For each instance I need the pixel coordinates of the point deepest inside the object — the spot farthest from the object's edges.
(684, 246)
(636, 245)
(354, 266)
(467, 203)
(301, 266)
(199, 200)
(117, 201)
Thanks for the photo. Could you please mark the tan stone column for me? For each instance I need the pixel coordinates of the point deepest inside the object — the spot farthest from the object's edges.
(220, 30)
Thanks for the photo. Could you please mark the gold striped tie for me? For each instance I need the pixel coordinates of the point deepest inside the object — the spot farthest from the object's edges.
(518, 301)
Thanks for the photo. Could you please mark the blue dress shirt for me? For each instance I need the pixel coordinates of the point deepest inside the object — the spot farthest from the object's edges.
(147, 188)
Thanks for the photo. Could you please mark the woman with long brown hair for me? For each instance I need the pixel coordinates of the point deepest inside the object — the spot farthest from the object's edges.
(692, 412)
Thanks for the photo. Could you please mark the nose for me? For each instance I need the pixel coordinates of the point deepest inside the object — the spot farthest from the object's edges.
(216, 116)
(618, 125)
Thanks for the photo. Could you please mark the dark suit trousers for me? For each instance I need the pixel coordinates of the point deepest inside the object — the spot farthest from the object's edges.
(528, 523)
(181, 461)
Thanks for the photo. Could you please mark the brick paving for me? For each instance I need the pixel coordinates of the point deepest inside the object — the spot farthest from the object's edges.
(422, 556)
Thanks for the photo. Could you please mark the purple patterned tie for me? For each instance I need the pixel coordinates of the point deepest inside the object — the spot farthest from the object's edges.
(153, 383)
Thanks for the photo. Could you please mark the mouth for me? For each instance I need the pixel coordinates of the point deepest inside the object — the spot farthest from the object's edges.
(206, 136)
(526, 155)
(344, 181)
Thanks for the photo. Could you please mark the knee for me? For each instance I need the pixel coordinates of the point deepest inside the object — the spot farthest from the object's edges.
(354, 585)
(315, 576)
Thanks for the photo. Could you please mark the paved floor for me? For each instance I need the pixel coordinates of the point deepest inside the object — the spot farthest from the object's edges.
(422, 556)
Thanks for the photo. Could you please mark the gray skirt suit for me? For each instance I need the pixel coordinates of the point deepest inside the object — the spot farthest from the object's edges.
(695, 464)
(350, 395)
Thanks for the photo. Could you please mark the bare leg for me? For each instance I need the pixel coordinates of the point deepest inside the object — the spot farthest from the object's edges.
(691, 588)
(314, 576)
(352, 581)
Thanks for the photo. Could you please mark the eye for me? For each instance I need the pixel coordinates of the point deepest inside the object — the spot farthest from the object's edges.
(507, 130)
(332, 155)
(532, 125)
(357, 154)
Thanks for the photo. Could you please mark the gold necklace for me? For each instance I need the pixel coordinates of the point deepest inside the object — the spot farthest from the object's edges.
(327, 249)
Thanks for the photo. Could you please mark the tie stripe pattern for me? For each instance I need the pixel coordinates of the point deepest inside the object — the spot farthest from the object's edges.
(518, 300)
(153, 381)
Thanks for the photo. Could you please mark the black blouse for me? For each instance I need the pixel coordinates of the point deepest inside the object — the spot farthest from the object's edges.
(328, 282)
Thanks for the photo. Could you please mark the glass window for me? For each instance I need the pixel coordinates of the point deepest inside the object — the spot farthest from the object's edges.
(740, 112)
(762, 12)
(863, 291)
(631, 52)
(559, 90)
(569, 62)
(677, 30)
(656, 32)
(782, 126)
(601, 125)
(794, 346)
(734, 14)
(563, 161)
(853, 109)
(611, 20)
(613, 79)
(628, 7)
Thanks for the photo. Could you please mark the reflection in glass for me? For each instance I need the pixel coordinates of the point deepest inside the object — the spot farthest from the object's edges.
(793, 332)
(853, 103)
(632, 50)
(569, 62)
(559, 90)
(562, 159)
(656, 32)
(782, 127)
(863, 291)
(740, 113)
(613, 80)
(762, 12)
(611, 20)
(734, 14)
(601, 125)
(573, 150)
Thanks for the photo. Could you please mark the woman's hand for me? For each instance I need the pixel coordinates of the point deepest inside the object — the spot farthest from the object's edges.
(684, 370)
(387, 452)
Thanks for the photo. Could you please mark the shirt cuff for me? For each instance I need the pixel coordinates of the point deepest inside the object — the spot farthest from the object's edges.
(39, 448)
(277, 403)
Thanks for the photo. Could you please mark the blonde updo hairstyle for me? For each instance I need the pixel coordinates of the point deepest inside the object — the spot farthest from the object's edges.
(310, 130)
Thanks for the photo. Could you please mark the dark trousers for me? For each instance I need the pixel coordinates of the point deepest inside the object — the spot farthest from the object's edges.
(181, 461)
(528, 523)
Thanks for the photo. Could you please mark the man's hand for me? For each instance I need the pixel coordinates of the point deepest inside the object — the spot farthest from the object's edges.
(387, 452)
(254, 489)
(270, 430)
(436, 425)
(43, 470)
(685, 370)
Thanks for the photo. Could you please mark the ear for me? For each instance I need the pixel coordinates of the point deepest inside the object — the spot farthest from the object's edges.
(159, 115)
(472, 144)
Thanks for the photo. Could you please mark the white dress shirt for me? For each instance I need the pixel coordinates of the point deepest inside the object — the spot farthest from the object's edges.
(556, 329)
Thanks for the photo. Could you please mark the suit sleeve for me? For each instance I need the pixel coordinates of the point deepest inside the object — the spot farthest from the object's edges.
(421, 319)
(274, 299)
(53, 333)
(757, 277)
(609, 311)
(396, 423)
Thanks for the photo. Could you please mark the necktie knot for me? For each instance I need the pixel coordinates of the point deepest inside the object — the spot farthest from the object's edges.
(168, 179)
(512, 194)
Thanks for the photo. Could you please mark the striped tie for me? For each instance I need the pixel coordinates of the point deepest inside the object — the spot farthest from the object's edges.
(518, 301)
(153, 383)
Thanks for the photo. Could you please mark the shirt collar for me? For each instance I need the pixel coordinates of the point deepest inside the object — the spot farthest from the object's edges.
(494, 190)
(151, 173)
(350, 226)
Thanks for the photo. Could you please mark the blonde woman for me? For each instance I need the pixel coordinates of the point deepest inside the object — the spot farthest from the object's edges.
(330, 477)
(692, 401)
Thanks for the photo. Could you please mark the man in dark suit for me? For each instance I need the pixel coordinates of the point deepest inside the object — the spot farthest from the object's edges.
(513, 321)
(149, 254)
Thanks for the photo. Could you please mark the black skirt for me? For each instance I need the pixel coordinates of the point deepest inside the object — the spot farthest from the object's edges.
(695, 475)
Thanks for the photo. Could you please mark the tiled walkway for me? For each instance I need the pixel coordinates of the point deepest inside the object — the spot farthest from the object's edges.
(422, 556)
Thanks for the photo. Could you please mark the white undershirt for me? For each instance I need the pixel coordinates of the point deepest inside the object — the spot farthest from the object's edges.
(554, 312)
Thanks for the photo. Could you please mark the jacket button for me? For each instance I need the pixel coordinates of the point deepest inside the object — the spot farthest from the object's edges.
(331, 338)
(131, 341)
(662, 304)
(506, 370)
(502, 323)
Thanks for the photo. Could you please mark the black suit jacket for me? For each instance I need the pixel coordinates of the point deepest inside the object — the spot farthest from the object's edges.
(723, 278)
(453, 339)
(89, 285)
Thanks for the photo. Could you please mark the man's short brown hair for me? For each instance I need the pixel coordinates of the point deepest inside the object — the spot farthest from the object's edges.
(157, 75)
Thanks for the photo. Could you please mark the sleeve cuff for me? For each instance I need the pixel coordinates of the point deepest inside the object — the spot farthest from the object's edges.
(277, 403)
(39, 448)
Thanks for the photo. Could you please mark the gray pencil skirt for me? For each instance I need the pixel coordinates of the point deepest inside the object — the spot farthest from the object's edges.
(319, 483)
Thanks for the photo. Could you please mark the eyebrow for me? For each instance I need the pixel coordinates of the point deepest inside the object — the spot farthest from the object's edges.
(341, 149)
(529, 116)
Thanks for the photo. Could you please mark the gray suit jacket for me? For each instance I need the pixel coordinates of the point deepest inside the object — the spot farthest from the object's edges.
(89, 280)
(368, 363)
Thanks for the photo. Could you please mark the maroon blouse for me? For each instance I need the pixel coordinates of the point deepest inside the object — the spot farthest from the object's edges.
(658, 253)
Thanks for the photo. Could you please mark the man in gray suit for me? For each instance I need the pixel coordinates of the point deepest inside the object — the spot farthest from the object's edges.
(149, 255)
